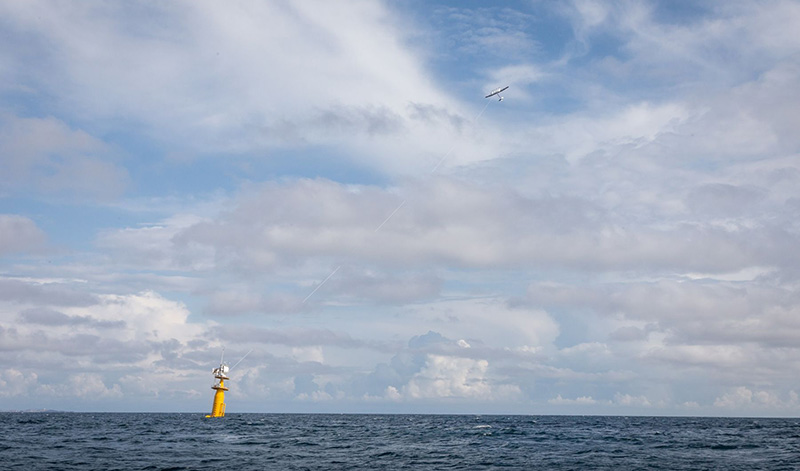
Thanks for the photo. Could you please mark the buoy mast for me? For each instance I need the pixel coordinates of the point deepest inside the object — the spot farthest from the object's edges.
(221, 375)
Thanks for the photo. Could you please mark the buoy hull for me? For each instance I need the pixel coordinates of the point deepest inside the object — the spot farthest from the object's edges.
(218, 407)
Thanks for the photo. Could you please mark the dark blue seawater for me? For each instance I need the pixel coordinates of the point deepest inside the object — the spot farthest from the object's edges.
(105, 441)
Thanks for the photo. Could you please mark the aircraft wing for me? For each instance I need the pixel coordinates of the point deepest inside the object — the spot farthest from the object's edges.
(495, 92)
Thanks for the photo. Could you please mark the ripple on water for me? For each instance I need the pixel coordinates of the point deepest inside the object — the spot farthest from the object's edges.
(274, 441)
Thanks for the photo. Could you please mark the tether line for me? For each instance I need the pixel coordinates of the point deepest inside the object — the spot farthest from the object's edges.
(433, 170)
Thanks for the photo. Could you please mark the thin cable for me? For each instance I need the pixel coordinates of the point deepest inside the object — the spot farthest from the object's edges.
(240, 360)
(435, 167)
(390, 216)
(323, 282)
(474, 120)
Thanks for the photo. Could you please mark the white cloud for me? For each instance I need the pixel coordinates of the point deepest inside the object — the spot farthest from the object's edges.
(154, 246)
(632, 401)
(90, 386)
(14, 382)
(19, 234)
(392, 393)
(582, 400)
(73, 334)
(579, 136)
(147, 314)
(743, 399)
(498, 33)
(349, 74)
(49, 156)
(592, 13)
(313, 353)
(448, 377)
(384, 288)
(316, 396)
(591, 349)
(757, 311)
(515, 75)
(490, 320)
(459, 224)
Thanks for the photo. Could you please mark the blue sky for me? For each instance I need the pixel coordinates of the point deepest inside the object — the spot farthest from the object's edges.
(617, 236)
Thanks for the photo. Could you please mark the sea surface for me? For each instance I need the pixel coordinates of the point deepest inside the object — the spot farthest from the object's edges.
(135, 441)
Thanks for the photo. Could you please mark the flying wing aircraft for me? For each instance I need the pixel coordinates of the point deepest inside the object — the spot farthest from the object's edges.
(497, 92)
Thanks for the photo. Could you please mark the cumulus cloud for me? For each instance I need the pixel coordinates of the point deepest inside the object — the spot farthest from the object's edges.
(60, 334)
(744, 399)
(583, 400)
(90, 386)
(434, 367)
(14, 382)
(443, 377)
(629, 400)
(313, 353)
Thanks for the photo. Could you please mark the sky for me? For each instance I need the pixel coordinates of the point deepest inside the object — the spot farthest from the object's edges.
(324, 185)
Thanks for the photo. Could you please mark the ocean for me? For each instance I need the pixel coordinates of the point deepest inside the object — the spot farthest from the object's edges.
(137, 441)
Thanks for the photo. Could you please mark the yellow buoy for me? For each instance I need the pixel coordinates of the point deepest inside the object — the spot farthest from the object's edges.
(221, 375)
